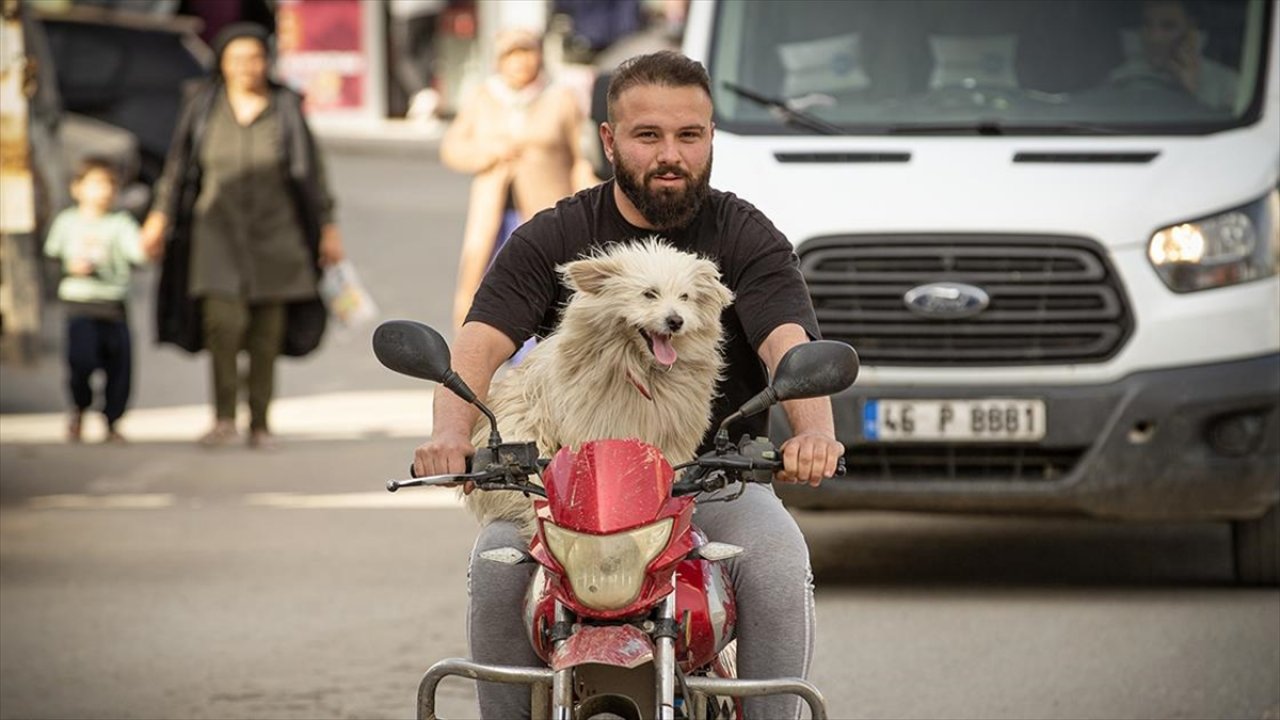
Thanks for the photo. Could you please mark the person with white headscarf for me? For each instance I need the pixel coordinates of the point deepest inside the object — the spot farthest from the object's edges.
(518, 134)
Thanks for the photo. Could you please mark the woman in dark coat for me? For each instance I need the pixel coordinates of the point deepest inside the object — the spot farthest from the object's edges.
(244, 220)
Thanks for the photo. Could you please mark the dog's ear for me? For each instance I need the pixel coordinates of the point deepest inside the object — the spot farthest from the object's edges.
(709, 285)
(589, 275)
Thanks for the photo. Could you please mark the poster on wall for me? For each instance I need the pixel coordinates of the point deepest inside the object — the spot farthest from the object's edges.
(327, 51)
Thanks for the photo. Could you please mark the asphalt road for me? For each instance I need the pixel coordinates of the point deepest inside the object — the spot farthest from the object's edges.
(160, 580)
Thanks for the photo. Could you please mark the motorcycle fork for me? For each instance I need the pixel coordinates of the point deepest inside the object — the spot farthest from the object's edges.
(664, 666)
(562, 680)
(664, 657)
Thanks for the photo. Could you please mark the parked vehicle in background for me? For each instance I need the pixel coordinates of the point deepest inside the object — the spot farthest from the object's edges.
(126, 70)
(1056, 259)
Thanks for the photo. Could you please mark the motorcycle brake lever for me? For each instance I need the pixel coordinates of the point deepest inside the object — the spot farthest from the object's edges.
(430, 481)
(436, 480)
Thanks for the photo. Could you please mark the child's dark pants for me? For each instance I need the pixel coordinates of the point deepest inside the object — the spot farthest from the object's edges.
(98, 344)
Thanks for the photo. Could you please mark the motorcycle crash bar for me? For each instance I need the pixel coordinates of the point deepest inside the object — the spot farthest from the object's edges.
(541, 677)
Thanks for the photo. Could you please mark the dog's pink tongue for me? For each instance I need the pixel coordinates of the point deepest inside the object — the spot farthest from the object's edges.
(662, 350)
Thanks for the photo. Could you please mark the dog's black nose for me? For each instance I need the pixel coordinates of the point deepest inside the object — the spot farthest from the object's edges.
(674, 322)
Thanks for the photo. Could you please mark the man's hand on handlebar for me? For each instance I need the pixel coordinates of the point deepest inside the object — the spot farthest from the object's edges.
(809, 458)
(444, 454)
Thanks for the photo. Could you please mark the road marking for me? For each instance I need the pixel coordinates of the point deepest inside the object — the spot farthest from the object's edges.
(122, 501)
(433, 499)
(331, 416)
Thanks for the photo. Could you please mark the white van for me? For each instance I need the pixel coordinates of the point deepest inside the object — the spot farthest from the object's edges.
(1051, 229)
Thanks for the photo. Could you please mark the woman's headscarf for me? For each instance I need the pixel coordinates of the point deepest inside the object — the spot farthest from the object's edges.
(235, 31)
(517, 102)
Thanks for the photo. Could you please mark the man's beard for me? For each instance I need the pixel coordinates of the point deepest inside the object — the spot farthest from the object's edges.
(664, 208)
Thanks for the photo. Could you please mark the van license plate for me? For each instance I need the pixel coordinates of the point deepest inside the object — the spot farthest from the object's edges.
(984, 420)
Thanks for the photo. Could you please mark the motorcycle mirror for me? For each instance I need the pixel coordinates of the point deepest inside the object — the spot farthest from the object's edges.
(812, 369)
(815, 369)
(411, 348)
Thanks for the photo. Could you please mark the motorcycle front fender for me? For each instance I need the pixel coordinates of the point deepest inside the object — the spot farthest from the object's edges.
(624, 646)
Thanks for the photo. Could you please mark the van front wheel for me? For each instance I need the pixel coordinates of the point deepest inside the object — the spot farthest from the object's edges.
(1256, 544)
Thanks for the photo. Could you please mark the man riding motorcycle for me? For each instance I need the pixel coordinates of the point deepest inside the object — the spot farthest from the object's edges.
(658, 139)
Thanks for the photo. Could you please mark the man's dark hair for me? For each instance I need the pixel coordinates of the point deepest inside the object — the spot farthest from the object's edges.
(97, 162)
(666, 68)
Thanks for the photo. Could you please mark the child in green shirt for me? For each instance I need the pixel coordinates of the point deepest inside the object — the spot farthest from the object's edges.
(97, 248)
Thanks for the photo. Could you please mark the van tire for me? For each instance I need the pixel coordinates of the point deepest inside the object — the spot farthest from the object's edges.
(1256, 546)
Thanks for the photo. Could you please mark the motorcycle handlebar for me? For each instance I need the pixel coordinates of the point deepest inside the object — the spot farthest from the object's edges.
(414, 473)
(755, 460)
(483, 480)
(506, 467)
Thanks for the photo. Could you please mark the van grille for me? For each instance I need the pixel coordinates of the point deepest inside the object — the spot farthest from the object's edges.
(1052, 299)
(909, 461)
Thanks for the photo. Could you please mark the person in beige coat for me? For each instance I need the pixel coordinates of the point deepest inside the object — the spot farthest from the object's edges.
(518, 135)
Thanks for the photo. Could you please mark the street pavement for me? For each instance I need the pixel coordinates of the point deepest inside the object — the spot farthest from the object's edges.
(162, 580)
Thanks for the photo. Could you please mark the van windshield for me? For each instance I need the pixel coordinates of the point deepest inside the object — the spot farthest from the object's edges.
(1034, 67)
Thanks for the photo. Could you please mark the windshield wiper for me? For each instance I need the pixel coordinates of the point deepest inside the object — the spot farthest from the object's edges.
(990, 127)
(785, 112)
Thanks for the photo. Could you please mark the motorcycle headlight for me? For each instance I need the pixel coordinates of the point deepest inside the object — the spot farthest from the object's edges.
(606, 572)
(1232, 247)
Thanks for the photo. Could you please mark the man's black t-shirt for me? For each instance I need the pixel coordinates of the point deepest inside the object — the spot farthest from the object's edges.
(522, 295)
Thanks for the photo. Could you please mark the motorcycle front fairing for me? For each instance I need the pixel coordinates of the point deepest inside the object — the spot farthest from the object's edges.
(705, 606)
(613, 486)
(607, 488)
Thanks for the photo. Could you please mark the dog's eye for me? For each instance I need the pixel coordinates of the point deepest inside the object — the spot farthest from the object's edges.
(651, 294)
(684, 296)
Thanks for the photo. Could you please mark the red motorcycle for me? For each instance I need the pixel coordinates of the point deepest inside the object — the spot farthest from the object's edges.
(629, 606)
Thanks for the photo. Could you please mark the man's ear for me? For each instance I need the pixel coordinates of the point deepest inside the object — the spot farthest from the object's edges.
(590, 275)
(606, 141)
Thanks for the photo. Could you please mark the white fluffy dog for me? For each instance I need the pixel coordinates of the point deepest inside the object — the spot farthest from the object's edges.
(636, 355)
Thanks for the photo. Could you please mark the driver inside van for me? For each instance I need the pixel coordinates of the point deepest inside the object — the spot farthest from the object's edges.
(1170, 45)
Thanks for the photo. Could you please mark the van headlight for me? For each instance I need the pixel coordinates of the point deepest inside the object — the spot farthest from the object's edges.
(606, 572)
(1232, 247)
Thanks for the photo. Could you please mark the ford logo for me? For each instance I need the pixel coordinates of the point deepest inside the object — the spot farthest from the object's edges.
(946, 300)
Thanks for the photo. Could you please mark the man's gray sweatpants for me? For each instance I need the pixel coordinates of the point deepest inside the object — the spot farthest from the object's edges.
(772, 581)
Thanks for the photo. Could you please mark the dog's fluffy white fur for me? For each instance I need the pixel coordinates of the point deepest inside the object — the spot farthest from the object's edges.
(636, 355)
